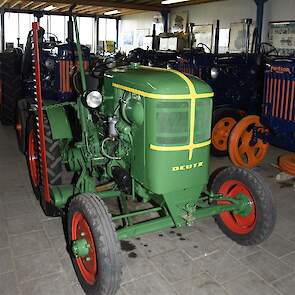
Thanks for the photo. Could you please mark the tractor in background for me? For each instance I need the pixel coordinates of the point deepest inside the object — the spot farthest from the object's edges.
(250, 138)
(11, 86)
(58, 63)
(144, 139)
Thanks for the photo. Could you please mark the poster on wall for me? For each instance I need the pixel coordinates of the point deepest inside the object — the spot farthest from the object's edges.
(282, 36)
(238, 33)
(178, 22)
(128, 38)
(203, 34)
(139, 40)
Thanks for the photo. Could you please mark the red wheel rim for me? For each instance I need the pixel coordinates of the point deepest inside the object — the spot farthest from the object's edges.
(221, 132)
(81, 230)
(237, 223)
(33, 159)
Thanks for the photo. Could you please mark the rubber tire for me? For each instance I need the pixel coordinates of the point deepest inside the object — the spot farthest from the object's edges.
(54, 165)
(217, 116)
(108, 250)
(12, 86)
(265, 205)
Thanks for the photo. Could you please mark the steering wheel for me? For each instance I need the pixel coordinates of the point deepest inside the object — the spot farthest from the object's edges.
(203, 45)
(267, 49)
(99, 66)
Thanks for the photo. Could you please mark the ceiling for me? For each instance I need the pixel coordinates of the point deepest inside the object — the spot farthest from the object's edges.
(98, 7)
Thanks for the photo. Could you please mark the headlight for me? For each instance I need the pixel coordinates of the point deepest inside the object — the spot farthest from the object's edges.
(94, 99)
(214, 73)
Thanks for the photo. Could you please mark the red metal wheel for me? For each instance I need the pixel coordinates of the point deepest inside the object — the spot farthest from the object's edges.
(221, 132)
(237, 223)
(242, 153)
(87, 265)
(33, 159)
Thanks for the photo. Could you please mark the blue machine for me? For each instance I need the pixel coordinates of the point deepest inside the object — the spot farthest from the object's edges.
(278, 113)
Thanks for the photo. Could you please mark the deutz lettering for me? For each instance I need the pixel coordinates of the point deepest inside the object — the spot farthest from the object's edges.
(187, 167)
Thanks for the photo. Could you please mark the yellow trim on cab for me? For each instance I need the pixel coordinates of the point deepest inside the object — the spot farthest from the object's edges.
(193, 95)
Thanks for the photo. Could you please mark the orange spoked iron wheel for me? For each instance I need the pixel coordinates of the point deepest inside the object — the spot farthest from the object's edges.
(245, 148)
(287, 163)
(221, 132)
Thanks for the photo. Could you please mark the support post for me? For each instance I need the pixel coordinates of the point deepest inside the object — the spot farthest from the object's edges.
(165, 16)
(2, 25)
(259, 20)
(97, 32)
(117, 33)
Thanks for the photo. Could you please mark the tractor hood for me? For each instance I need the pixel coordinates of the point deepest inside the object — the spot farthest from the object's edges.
(157, 82)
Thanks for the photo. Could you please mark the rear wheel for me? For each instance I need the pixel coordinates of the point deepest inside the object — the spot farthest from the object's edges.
(53, 159)
(258, 225)
(223, 122)
(96, 253)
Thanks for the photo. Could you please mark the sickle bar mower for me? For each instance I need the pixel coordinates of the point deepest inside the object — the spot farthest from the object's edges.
(144, 139)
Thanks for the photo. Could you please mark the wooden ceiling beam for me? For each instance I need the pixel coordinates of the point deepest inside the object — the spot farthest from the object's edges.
(112, 3)
(27, 5)
(3, 3)
(12, 5)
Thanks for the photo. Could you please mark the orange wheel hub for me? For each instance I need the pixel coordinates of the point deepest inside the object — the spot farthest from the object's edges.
(33, 159)
(242, 151)
(287, 163)
(221, 132)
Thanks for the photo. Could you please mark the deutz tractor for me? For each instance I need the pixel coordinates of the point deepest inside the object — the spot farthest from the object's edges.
(144, 139)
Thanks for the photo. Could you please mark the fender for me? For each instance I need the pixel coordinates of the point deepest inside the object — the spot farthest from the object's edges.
(59, 123)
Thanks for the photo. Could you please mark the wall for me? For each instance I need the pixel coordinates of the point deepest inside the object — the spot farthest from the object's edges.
(227, 11)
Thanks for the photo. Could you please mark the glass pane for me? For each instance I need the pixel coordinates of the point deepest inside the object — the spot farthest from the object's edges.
(57, 27)
(86, 30)
(11, 28)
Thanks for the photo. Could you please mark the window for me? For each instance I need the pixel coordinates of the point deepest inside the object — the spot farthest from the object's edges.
(223, 40)
(57, 27)
(86, 30)
(107, 29)
(11, 29)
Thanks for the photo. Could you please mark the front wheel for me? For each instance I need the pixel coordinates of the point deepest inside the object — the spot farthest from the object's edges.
(95, 249)
(258, 225)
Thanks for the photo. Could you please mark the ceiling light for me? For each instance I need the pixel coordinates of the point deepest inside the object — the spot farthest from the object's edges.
(111, 12)
(48, 8)
(173, 1)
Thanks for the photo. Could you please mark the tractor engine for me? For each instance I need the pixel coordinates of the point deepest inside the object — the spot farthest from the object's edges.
(167, 130)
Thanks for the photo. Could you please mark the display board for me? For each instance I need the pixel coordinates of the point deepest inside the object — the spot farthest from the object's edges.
(178, 22)
(237, 38)
(203, 34)
(282, 36)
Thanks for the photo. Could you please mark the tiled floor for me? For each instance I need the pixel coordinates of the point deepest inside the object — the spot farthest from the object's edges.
(197, 260)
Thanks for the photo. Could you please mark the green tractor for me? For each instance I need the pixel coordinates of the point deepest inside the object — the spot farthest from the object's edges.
(145, 139)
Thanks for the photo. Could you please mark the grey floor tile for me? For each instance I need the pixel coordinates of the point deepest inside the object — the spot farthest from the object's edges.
(53, 227)
(196, 245)
(249, 284)
(29, 243)
(278, 246)
(16, 209)
(199, 285)
(152, 284)
(6, 262)
(286, 285)
(60, 246)
(14, 195)
(3, 234)
(34, 266)
(176, 266)
(285, 227)
(8, 284)
(135, 265)
(23, 224)
(289, 259)
(53, 284)
(209, 228)
(221, 266)
(267, 266)
(68, 268)
(154, 244)
(239, 251)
